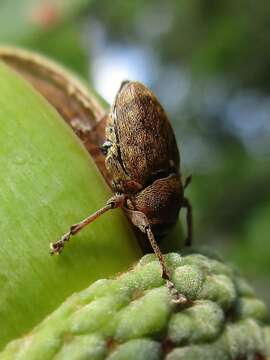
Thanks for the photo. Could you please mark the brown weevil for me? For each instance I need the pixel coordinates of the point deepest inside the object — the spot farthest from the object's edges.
(143, 162)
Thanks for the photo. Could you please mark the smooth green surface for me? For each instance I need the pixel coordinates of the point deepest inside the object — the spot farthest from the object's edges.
(48, 181)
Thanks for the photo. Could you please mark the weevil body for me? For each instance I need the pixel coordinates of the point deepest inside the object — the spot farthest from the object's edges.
(143, 162)
(142, 156)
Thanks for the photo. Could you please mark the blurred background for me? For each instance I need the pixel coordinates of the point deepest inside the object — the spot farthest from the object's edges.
(209, 63)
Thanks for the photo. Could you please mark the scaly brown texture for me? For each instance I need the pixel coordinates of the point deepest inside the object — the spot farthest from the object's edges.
(143, 159)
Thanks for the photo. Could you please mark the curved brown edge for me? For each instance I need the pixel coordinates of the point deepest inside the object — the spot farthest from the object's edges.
(76, 104)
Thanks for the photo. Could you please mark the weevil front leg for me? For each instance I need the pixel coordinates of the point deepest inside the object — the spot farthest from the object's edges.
(113, 203)
(140, 220)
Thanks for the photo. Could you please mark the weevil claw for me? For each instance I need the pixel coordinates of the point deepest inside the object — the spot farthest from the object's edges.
(57, 247)
(177, 297)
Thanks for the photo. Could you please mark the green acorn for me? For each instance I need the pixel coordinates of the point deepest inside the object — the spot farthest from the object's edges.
(133, 317)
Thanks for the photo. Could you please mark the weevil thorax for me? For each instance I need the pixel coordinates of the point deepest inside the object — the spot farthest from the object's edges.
(143, 158)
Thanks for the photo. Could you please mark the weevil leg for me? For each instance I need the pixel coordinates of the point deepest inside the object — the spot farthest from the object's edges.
(186, 204)
(113, 203)
(176, 296)
(187, 181)
(140, 220)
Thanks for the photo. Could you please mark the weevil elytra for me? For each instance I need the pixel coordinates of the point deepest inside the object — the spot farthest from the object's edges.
(143, 161)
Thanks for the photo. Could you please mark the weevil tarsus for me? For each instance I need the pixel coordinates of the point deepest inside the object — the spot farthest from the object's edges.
(113, 203)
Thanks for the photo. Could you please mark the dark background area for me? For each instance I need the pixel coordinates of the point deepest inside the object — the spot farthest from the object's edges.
(209, 64)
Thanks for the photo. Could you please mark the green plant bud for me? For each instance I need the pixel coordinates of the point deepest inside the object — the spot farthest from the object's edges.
(245, 338)
(251, 307)
(133, 317)
(188, 280)
(203, 321)
(219, 288)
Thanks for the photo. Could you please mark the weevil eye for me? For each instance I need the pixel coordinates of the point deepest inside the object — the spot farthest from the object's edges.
(105, 147)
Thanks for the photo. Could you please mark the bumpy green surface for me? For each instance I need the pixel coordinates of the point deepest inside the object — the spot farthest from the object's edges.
(132, 317)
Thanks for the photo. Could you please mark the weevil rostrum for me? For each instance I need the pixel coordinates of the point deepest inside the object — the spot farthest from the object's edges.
(143, 161)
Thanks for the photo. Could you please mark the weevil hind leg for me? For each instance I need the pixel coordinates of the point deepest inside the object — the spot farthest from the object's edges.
(177, 297)
(113, 203)
(189, 219)
(187, 181)
(140, 220)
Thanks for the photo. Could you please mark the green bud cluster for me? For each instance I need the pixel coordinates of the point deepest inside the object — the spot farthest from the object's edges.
(133, 317)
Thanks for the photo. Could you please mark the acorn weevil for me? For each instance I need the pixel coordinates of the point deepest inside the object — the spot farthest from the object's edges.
(143, 162)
